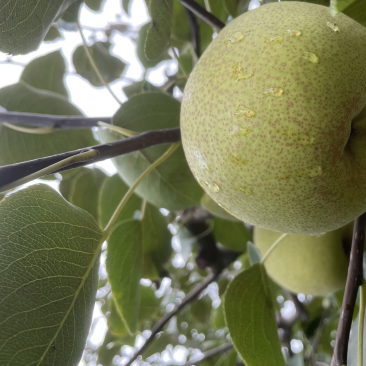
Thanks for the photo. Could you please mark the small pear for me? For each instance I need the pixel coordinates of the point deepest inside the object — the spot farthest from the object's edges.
(314, 265)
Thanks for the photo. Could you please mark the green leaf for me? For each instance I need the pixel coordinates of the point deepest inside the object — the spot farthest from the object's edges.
(149, 305)
(233, 235)
(296, 360)
(19, 146)
(52, 35)
(139, 87)
(250, 317)
(140, 48)
(114, 320)
(159, 32)
(214, 209)
(83, 189)
(171, 185)
(124, 266)
(49, 261)
(95, 5)
(47, 73)
(71, 15)
(23, 25)
(254, 253)
(111, 67)
(232, 6)
(112, 192)
(106, 353)
(318, 2)
(201, 309)
(218, 317)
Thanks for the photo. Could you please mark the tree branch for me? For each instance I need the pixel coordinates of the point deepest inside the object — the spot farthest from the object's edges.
(13, 172)
(195, 32)
(210, 353)
(202, 13)
(49, 120)
(354, 280)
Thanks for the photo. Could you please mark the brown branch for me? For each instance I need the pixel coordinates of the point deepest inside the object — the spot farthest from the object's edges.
(195, 32)
(202, 13)
(13, 172)
(354, 280)
(49, 120)
(210, 353)
(164, 320)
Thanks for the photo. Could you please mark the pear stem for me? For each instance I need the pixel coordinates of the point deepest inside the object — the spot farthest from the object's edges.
(273, 246)
(361, 319)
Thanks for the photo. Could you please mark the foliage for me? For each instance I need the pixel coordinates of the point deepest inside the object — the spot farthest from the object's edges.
(169, 238)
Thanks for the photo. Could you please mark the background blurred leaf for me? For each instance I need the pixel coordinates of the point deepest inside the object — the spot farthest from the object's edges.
(254, 253)
(47, 73)
(250, 317)
(126, 6)
(49, 276)
(111, 67)
(52, 35)
(95, 5)
(139, 87)
(171, 185)
(19, 146)
(214, 209)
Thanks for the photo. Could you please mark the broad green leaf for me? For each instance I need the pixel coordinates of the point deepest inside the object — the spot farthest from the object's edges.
(232, 6)
(340, 5)
(83, 189)
(95, 5)
(318, 2)
(233, 235)
(112, 192)
(111, 67)
(253, 253)
(52, 35)
(159, 32)
(19, 146)
(171, 185)
(218, 317)
(71, 15)
(216, 210)
(49, 261)
(140, 48)
(124, 266)
(250, 317)
(139, 87)
(47, 73)
(23, 25)
(355, 9)
(149, 305)
(114, 320)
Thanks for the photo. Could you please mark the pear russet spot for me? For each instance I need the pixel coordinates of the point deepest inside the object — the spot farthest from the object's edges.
(312, 265)
(270, 107)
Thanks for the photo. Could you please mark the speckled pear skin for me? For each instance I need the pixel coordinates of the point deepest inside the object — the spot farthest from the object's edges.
(266, 121)
(307, 264)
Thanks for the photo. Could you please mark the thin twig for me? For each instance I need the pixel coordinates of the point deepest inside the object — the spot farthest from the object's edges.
(164, 320)
(49, 120)
(94, 66)
(354, 280)
(210, 353)
(13, 172)
(195, 32)
(202, 13)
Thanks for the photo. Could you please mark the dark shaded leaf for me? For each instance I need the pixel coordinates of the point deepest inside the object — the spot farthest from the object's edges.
(95, 5)
(126, 6)
(139, 87)
(52, 35)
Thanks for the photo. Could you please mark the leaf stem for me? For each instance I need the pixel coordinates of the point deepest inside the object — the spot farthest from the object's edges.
(121, 130)
(90, 154)
(129, 193)
(273, 246)
(94, 66)
(35, 131)
(361, 320)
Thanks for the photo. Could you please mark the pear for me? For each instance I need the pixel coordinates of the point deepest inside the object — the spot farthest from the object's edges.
(314, 265)
(273, 120)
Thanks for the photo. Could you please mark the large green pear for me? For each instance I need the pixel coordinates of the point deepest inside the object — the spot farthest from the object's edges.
(307, 264)
(273, 120)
